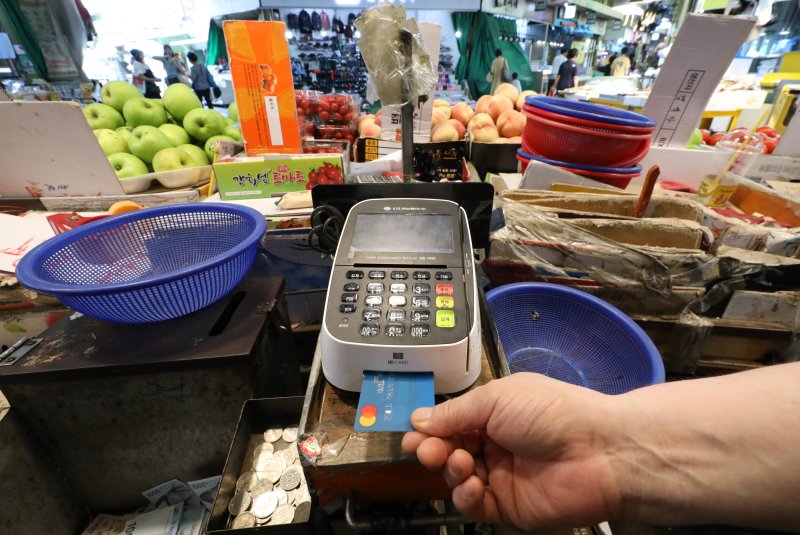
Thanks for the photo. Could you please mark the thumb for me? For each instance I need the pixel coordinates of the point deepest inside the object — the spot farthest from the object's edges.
(465, 413)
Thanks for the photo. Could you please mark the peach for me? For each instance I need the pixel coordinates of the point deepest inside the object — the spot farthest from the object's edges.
(498, 104)
(483, 104)
(510, 123)
(437, 102)
(365, 122)
(507, 90)
(462, 112)
(378, 117)
(438, 117)
(445, 132)
(521, 98)
(371, 130)
(500, 140)
(460, 128)
(515, 139)
(479, 120)
(487, 133)
(362, 118)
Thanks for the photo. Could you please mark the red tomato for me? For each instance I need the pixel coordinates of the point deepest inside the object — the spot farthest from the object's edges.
(324, 115)
(312, 176)
(770, 143)
(767, 131)
(335, 174)
(300, 111)
(309, 185)
(322, 176)
(324, 106)
(713, 138)
(328, 165)
(706, 134)
(343, 109)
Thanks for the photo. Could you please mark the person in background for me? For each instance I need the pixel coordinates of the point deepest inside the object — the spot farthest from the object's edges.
(534, 452)
(172, 65)
(515, 81)
(202, 81)
(143, 77)
(622, 65)
(560, 58)
(567, 73)
(498, 69)
(607, 68)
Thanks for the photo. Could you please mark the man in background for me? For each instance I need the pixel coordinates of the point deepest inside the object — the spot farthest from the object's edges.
(622, 65)
(567, 73)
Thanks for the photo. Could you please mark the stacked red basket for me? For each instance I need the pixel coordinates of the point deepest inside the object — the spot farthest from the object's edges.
(591, 140)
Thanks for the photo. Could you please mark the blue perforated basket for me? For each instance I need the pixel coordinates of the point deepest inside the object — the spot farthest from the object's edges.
(572, 336)
(149, 265)
(590, 111)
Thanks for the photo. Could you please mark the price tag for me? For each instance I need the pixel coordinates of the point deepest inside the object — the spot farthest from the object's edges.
(703, 49)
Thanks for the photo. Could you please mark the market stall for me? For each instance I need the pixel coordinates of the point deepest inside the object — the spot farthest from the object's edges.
(218, 320)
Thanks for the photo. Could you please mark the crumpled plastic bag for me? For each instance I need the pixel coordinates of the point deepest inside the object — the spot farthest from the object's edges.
(396, 79)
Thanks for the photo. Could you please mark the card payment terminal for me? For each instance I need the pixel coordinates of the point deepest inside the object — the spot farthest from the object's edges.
(402, 295)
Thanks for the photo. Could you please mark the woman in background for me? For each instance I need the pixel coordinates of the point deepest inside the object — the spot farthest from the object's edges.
(143, 77)
(172, 65)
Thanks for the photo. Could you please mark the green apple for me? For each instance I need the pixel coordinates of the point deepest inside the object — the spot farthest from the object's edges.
(102, 116)
(180, 99)
(210, 153)
(233, 132)
(171, 159)
(233, 112)
(175, 134)
(229, 122)
(110, 141)
(118, 92)
(202, 124)
(144, 112)
(696, 139)
(146, 141)
(197, 156)
(127, 165)
(125, 132)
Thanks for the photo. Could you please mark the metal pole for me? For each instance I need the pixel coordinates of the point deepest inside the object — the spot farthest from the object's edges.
(407, 113)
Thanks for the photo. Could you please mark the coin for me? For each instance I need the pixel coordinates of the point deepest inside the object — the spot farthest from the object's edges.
(246, 481)
(281, 495)
(244, 520)
(302, 511)
(272, 434)
(291, 495)
(288, 454)
(274, 470)
(290, 479)
(239, 503)
(261, 486)
(284, 514)
(262, 460)
(290, 433)
(265, 446)
(264, 505)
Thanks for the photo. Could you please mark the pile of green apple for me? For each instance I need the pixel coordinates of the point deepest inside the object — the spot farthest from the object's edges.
(140, 135)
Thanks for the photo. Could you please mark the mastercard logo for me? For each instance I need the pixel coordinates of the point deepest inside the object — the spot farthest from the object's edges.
(367, 417)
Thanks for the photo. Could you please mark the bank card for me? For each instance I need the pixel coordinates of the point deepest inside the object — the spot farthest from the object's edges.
(388, 398)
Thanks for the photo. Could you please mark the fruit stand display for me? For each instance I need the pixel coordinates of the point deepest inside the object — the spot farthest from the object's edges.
(141, 135)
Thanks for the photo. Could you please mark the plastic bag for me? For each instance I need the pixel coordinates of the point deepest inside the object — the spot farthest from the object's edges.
(385, 33)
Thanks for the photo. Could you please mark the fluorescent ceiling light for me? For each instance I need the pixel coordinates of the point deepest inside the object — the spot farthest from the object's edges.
(347, 2)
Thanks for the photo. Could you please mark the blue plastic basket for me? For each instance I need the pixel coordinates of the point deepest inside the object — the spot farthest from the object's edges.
(590, 111)
(572, 336)
(149, 265)
(636, 169)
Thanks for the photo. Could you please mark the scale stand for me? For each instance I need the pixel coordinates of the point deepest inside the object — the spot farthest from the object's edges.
(407, 112)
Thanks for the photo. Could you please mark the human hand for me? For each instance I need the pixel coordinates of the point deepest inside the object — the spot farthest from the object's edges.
(525, 450)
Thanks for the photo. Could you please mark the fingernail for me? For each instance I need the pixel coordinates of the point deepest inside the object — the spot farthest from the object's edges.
(466, 492)
(421, 415)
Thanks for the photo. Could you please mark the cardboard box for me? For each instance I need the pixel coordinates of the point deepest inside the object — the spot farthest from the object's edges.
(267, 176)
(262, 82)
(494, 157)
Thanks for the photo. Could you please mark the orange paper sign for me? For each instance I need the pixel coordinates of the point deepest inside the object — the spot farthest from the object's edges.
(262, 82)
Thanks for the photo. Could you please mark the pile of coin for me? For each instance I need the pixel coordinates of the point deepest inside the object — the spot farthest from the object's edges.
(273, 491)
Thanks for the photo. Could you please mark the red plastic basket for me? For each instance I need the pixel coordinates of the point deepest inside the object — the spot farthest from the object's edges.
(582, 144)
(576, 121)
(618, 180)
